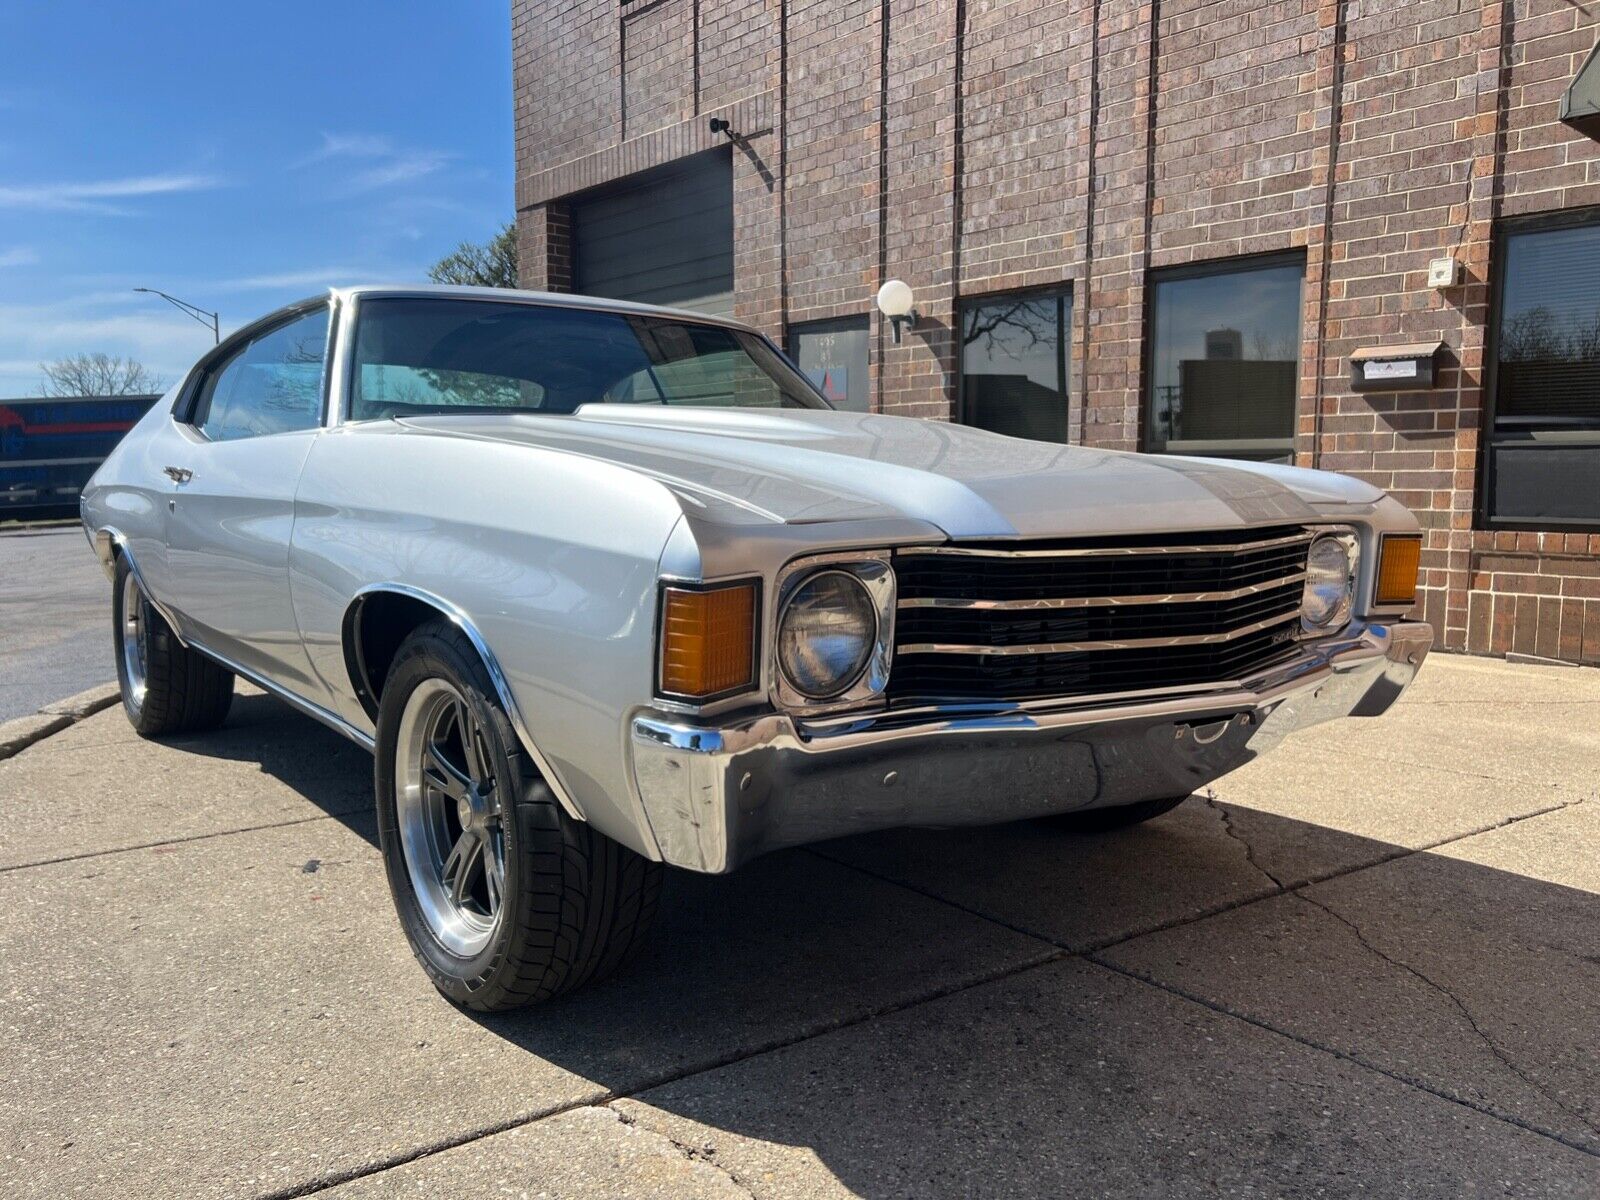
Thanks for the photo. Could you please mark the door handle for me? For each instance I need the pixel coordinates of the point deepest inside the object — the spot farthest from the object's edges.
(178, 474)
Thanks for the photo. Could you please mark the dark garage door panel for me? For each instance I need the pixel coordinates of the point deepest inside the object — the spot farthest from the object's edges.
(660, 237)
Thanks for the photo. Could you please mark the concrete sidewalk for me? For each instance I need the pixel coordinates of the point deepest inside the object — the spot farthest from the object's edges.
(1370, 964)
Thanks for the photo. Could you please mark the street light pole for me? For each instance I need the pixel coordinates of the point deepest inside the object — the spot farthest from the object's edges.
(199, 314)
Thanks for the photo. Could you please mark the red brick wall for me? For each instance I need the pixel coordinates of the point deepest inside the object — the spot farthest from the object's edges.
(988, 145)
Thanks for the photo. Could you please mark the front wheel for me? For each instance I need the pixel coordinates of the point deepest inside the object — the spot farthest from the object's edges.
(505, 899)
(1104, 820)
(166, 687)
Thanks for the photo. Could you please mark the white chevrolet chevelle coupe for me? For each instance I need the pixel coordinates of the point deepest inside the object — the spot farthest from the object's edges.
(607, 587)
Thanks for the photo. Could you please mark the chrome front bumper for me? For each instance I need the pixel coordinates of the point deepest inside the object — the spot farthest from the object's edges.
(717, 796)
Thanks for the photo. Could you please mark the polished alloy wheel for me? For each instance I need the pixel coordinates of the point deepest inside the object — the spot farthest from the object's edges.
(449, 818)
(135, 639)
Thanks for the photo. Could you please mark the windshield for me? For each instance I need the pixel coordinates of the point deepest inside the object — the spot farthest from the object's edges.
(416, 356)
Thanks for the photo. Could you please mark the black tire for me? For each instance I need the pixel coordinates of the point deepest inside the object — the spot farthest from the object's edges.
(575, 906)
(183, 691)
(1105, 820)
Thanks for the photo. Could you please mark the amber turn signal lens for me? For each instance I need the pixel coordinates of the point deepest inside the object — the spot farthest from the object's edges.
(707, 640)
(1398, 560)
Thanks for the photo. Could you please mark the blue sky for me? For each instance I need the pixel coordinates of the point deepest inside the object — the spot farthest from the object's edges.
(238, 156)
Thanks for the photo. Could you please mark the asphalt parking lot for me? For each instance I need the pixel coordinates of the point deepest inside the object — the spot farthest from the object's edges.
(55, 616)
(1370, 964)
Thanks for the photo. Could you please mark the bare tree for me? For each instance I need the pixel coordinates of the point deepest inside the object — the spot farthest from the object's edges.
(489, 264)
(98, 375)
(1013, 328)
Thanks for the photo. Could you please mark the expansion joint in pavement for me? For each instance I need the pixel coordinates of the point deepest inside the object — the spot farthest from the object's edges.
(180, 841)
(605, 1098)
(1093, 953)
(1418, 1084)
(1460, 1006)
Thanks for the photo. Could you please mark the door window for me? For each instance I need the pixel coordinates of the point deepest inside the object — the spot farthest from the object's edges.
(272, 385)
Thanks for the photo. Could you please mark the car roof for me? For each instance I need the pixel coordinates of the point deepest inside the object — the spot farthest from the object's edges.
(518, 296)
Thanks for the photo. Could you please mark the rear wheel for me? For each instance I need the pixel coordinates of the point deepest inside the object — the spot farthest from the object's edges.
(505, 899)
(166, 687)
(1104, 820)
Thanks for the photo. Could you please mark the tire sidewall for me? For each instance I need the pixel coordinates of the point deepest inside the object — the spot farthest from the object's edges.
(134, 711)
(426, 656)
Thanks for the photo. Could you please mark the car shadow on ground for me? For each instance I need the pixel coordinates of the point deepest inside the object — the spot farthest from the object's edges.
(1019, 1010)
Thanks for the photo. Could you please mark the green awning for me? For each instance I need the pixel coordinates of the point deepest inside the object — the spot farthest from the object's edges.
(1580, 106)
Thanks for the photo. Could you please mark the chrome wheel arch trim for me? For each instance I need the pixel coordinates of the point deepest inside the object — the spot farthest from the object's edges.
(110, 542)
(497, 676)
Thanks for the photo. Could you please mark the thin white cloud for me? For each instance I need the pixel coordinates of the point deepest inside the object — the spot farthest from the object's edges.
(92, 195)
(348, 145)
(376, 161)
(18, 256)
(401, 168)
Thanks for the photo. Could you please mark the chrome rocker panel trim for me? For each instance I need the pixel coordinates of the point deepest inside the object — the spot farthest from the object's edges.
(717, 796)
(315, 711)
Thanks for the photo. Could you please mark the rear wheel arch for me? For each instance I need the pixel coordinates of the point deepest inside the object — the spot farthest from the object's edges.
(377, 623)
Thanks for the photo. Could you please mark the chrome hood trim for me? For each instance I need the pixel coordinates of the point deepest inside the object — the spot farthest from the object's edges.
(795, 466)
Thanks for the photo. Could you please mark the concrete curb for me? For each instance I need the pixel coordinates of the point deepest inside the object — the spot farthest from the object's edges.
(18, 734)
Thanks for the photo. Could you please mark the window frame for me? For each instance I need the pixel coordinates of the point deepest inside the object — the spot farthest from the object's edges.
(1063, 290)
(1235, 264)
(849, 322)
(1483, 507)
(184, 411)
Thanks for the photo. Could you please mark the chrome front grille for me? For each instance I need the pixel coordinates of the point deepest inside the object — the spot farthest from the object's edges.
(988, 621)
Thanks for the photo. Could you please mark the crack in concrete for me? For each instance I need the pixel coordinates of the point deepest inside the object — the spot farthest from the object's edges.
(1299, 893)
(1460, 1006)
(1249, 850)
(706, 1154)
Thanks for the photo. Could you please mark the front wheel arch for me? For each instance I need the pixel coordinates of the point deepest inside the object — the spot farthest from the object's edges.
(377, 622)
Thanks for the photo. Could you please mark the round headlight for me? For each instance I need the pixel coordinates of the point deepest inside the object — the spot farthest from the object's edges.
(1325, 603)
(826, 634)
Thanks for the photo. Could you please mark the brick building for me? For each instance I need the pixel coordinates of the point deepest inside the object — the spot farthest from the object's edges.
(1177, 225)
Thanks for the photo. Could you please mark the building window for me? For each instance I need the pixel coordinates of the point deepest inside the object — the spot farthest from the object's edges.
(1224, 359)
(1543, 467)
(833, 355)
(1014, 359)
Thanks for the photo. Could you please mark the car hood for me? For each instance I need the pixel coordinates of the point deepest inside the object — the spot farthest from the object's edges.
(809, 465)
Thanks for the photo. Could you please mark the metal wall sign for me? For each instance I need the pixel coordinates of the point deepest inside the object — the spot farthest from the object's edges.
(1408, 368)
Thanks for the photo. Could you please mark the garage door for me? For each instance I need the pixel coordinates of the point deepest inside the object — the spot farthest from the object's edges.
(661, 237)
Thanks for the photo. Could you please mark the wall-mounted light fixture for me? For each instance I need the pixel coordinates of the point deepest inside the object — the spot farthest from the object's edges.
(720, 125)
(895, 302)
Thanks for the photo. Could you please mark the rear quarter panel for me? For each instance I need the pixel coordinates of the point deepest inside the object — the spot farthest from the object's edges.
(128, 494)
(553, 557)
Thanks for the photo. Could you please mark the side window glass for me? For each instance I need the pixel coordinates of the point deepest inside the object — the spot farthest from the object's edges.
(272, 385)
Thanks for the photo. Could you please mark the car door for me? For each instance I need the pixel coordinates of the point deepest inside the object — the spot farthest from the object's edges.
(251, 422)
